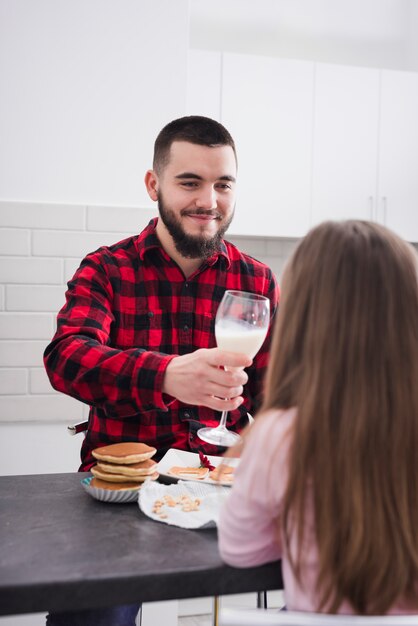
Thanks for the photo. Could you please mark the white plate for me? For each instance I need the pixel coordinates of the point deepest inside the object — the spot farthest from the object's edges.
(110, 495)
(182, 458)
(211, 499)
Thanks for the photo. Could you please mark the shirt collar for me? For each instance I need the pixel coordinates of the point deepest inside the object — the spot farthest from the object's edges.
(148, 240)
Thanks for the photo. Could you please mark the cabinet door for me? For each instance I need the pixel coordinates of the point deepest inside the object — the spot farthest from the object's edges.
(345, 143)
(204, 83)
(267, 107)
(398, 165)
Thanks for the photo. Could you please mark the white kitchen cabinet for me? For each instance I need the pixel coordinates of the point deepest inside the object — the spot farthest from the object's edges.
(398, 153)
(365, 157)
(345, 142)
(267, 107)
(314, 141)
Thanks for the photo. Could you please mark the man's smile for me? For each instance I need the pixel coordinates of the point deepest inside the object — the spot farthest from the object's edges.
(203, 216)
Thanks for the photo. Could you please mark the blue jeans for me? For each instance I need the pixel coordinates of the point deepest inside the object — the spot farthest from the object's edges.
(124, 615)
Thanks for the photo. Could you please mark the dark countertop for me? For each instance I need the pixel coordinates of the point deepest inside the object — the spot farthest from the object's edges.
(61, 549)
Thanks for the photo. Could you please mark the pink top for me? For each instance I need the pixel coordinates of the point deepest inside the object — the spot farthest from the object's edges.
(249, 528)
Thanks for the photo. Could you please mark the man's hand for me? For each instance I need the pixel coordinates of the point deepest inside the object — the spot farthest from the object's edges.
(199, 378)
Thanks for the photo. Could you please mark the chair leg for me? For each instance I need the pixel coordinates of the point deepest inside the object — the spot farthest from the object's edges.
(215, 611)
(261, 599)
(261, 604)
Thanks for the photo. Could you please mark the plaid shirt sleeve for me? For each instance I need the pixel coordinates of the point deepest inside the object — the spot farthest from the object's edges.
(81, 363)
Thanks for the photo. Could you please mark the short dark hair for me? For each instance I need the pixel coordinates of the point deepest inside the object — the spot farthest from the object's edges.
(196, 129)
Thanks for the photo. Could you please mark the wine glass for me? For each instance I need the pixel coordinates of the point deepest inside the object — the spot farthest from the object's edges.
(241, 325)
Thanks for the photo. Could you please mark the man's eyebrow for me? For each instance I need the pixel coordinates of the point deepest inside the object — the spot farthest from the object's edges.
(189, 175)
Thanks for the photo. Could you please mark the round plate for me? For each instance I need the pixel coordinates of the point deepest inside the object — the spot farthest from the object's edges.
(110, 495)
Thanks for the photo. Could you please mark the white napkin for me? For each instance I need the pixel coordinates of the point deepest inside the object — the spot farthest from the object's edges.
(211, 499)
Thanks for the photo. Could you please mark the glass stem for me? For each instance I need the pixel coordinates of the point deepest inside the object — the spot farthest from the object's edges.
(222, 423)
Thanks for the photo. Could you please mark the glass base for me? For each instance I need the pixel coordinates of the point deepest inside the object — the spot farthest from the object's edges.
(218, 436)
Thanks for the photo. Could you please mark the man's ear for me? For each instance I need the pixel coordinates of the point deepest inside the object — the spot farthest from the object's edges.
(151, 183)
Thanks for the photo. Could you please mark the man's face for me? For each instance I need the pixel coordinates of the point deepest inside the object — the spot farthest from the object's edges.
(196, 197)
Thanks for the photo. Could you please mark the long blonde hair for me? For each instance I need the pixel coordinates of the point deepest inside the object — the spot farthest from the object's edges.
(345, 353)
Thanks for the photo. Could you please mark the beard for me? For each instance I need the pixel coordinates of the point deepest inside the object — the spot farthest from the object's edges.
(193, 246)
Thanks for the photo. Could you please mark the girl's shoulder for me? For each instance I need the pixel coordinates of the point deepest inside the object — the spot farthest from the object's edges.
(271, 433)
(274, 421)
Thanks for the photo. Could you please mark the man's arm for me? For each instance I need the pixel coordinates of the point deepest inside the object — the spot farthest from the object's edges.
(81, 363)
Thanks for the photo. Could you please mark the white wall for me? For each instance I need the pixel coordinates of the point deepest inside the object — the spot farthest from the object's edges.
(373, 33)
(86, 86)
(411, 46)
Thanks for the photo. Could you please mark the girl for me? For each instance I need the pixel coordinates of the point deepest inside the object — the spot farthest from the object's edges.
(328, 478)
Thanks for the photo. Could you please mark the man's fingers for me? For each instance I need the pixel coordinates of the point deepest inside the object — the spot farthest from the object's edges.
(219, 404)
(228, 378)
(223, 391)
(222, 358)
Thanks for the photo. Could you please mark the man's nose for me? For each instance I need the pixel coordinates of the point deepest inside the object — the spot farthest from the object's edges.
(206, 198)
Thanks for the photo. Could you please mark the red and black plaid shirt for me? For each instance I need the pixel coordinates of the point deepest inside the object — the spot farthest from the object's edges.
(129, 310)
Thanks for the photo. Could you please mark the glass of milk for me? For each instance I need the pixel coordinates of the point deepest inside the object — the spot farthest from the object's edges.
(241, 325)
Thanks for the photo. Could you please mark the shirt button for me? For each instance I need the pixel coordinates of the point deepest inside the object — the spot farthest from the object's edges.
(186, 328)
(186, 284)
(150, 314)
(187, 415)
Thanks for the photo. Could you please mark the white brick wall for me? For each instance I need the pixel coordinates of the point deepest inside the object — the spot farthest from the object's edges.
(23, 270)
(26, 325)
(39, 381)
(40, 408)
(71, 243)
(14, 242)
(34, 297)
(41, 246)
(107, 219)
(21, 353)
(13, 381)
(31, 215)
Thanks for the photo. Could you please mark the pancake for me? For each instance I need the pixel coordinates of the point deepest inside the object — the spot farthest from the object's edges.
(120, 478)
(145, 468)
(223, 473)
(124, 453)
(189, 472)
(101, 484)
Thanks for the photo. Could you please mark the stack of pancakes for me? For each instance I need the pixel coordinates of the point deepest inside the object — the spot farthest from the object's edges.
(123, 466)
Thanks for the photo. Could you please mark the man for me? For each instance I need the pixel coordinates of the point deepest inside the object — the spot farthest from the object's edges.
(135, 339)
